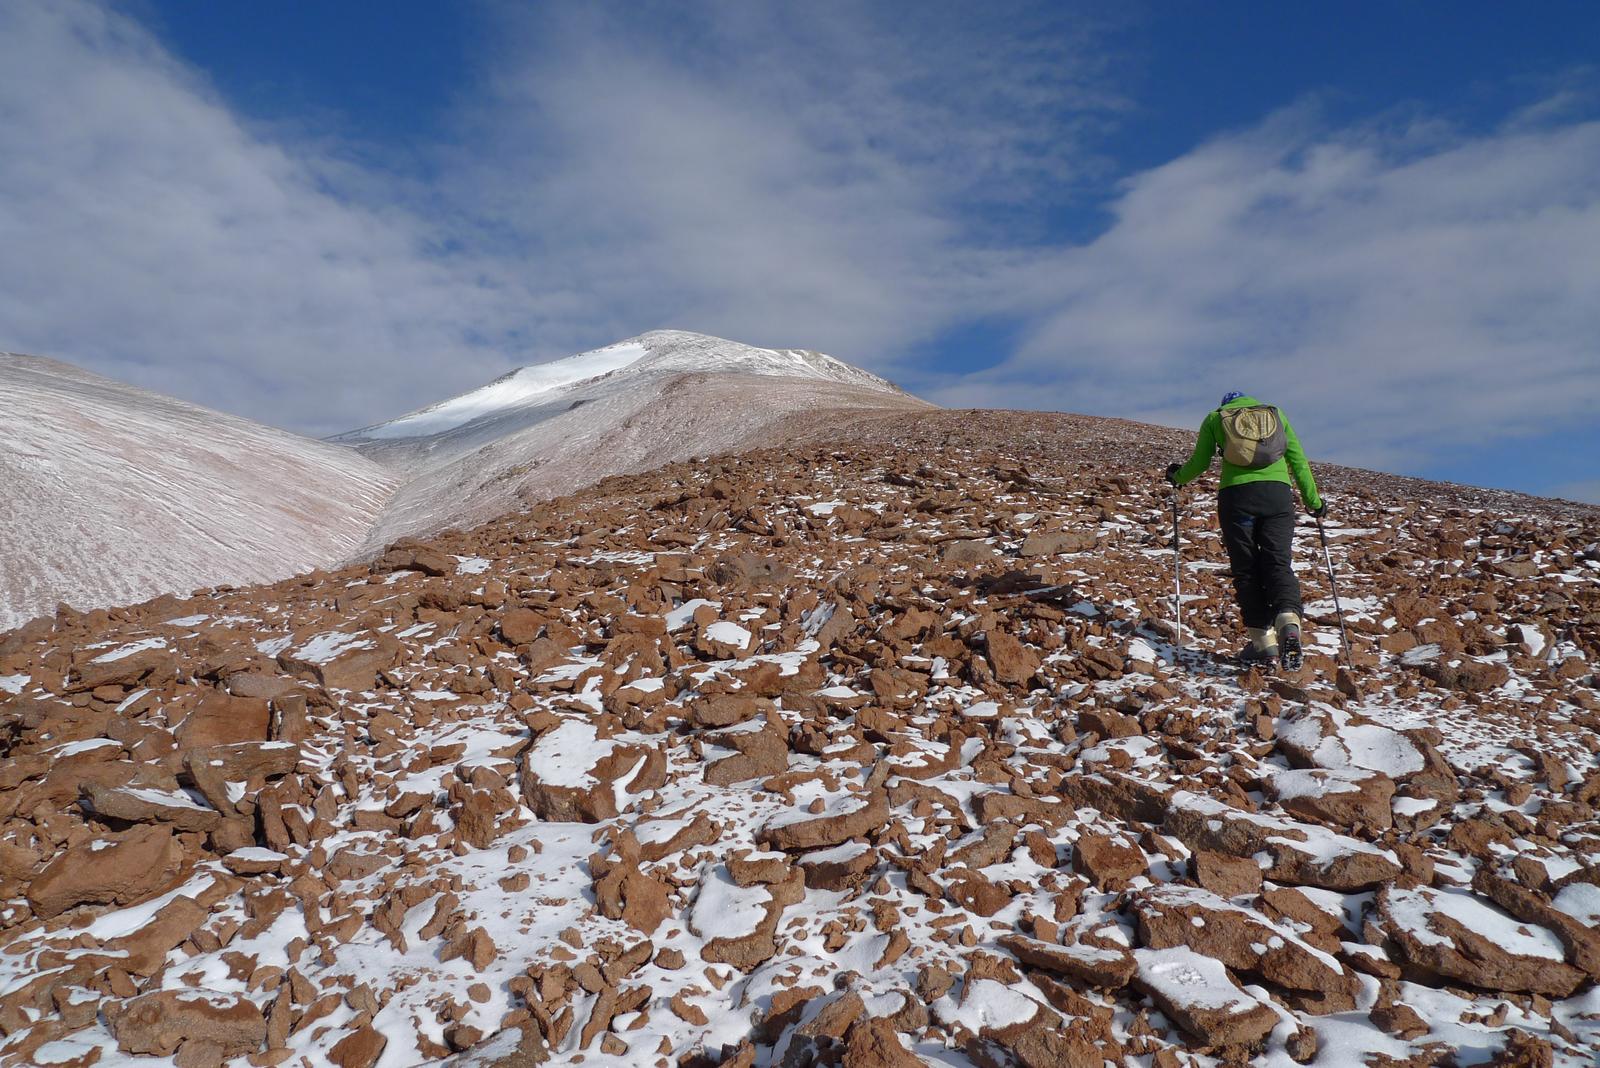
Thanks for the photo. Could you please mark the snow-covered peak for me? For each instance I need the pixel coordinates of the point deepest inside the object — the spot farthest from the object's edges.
(658, 352)
(683, 352)
(518, 387)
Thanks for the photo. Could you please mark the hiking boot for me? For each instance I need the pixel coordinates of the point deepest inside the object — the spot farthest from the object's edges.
(1262, 650)
(1288, 630)
(1250, 656)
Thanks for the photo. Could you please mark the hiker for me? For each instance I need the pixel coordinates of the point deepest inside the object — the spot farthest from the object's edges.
(1256, 508)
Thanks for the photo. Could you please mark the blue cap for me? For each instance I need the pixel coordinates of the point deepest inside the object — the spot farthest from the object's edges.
(1231, 395)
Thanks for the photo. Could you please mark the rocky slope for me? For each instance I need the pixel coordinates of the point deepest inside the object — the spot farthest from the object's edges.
(553, 428)
(870, 750)
(111, 494)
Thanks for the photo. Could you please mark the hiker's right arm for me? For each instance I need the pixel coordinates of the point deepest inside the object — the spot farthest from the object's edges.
(1205, 446)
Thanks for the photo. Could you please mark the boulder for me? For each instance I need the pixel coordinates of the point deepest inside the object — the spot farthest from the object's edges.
(1243, 940)
(219, 718)
(739, 923)
(1297, 853)
(571, 775)
(757, 754)
(1460, 936)
(1109, 862)
(119, 869)
(520, 626)
(845, 820)
(1225, 875)
(145, 804)
(361, 1048)
(966, 553)
(872, 1043)
(1198, 994)
(1106, 966)
(162, 1022)
(1013, 662)
(340, 660)
(749, 569)
(1345, 798)
(126, 666)
(1051, 542)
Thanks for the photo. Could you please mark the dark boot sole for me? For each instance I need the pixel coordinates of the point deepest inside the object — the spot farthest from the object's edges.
(1289, 653)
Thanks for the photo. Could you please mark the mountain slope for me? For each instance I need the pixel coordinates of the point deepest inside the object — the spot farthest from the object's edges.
(113, 494)
(552, 428)
(871, 746)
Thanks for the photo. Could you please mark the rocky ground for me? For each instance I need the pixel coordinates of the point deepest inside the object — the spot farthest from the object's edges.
(872, 750)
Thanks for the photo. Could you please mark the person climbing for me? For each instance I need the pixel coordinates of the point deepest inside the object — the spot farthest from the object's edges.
(1256, 509)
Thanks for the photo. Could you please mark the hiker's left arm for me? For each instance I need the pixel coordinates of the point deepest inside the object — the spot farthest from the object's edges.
(1300, 468)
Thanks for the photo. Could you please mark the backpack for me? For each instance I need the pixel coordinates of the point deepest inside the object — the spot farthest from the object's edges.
(1252, 437)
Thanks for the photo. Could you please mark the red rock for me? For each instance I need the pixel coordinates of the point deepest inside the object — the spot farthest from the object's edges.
(872, 1043)
(361, 1048)
(1012, 661)
(219, 718)
(865, 815)
(1049, 543)
(964, 553)
(115, 668)
(758, 755)
(120, 869)
(1110, 863)
(1225, 875)
(340, 660)
(1344, 799)
(1485, 951)
(143, 804)
(559, 790)
(749, 569)
(627, 894)
(161, 1022)
(520, 626)
(1104, 967)
(1197, 994)
(1183, 916)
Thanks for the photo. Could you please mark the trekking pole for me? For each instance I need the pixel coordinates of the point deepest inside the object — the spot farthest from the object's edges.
(1177, 568)
(1333, 584)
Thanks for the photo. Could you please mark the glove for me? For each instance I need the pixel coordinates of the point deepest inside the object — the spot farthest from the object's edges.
(1320, 510)
(1172, 473)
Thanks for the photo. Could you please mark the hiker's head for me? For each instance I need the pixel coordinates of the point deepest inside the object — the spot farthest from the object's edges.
(1230, 396)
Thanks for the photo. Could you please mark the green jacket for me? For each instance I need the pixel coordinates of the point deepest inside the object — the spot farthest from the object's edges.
(1209, 443)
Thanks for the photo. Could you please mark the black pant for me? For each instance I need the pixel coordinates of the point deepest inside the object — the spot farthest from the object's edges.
(1258, 530)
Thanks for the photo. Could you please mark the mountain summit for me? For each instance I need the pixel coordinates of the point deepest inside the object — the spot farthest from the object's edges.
(526, 394)
(552, 428)
(115, 494)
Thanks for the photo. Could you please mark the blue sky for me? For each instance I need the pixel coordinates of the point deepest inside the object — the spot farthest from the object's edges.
(1382, 216)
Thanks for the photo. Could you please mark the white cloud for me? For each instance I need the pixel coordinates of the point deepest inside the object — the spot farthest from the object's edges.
(1401, 291)
(781, 175)
(152, 237)
(851, 177)
(784, 174)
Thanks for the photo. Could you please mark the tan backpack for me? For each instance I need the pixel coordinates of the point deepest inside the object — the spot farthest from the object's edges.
(1252, 437)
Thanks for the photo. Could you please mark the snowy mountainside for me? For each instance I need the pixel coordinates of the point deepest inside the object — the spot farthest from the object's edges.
(113, 494)
(552, 428)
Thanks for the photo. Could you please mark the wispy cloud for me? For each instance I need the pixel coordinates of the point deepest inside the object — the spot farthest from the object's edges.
(838, 176)
(1402, 289)
(153, 237)
(783, 175)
